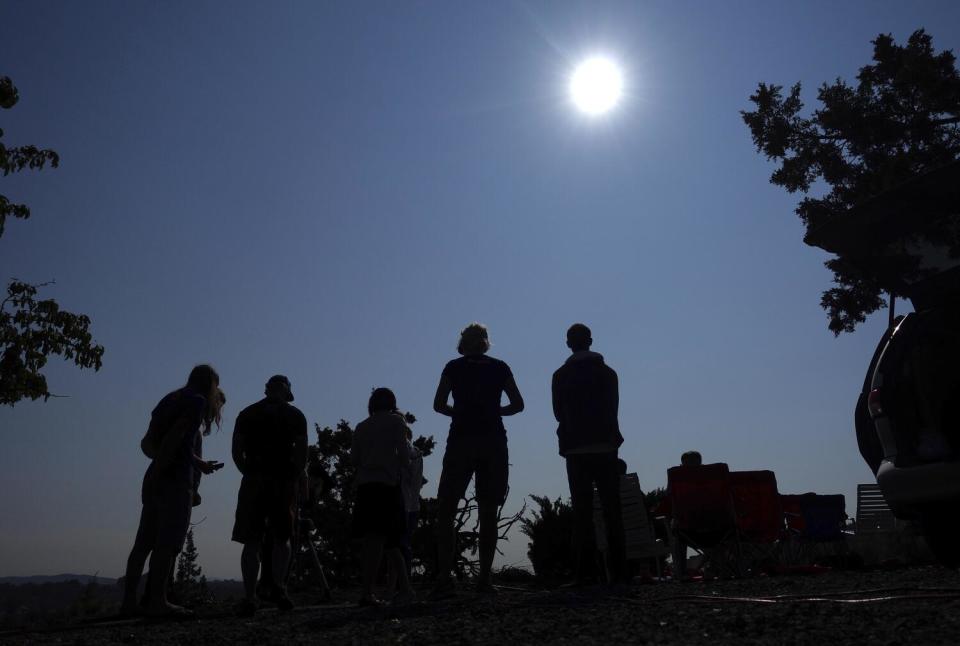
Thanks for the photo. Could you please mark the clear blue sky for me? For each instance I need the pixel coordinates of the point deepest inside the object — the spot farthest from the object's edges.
(331, 190)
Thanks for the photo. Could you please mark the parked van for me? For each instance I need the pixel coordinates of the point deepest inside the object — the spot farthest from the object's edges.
(907, 416)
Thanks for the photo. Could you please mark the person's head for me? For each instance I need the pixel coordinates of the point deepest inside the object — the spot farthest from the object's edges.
(474, 339)
(579, 337)
(278, 389)
(691, 459)
(621, 467)
(382, 400)
(204, 380)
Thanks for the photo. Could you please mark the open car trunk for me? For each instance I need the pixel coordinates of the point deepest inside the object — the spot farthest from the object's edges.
(907, 237)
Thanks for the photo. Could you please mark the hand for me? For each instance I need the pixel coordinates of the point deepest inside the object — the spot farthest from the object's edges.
(209, 466)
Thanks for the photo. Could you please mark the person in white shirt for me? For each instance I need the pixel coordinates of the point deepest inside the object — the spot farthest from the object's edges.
(411, 481)
(380, 454)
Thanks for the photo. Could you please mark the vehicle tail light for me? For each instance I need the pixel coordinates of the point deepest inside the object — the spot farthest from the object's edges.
(874, 403)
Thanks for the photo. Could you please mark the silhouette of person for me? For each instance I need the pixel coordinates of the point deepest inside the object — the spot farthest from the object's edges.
(688, 459)
(585, 402)
(411, 482)
(476, 446)
(379, 453)
(270, 450)
(173, 443)
(219, 401)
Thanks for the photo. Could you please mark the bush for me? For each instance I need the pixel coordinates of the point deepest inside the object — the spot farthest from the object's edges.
(550, 530)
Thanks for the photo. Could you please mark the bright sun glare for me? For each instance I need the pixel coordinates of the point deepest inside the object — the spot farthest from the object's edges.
(596, 86)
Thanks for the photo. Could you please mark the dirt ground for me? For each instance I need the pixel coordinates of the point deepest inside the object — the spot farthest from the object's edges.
(906, 606)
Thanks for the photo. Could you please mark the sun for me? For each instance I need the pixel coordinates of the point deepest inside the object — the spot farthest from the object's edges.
(596, 86)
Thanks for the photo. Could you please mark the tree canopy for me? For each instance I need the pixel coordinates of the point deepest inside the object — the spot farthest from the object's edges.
(32, 329)
(901, 118)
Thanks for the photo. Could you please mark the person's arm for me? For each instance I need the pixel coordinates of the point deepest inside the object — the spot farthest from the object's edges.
(614, 394)
(172, 441)
(300, 447)
(237, 449)
(355, 457)
(403, 453)
(555, 395)
(443, 395)
(513, 395)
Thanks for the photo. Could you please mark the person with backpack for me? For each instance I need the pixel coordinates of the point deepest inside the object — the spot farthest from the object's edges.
(585, 403)
(270, 451)
(173, 443)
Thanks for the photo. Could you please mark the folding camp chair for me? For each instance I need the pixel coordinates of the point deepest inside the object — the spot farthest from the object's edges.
(814, 527)
(640, 539)
(759, 517)
(703, 518)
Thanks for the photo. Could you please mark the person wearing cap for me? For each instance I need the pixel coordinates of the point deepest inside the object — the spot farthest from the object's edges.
(270, 450)
(476, 448)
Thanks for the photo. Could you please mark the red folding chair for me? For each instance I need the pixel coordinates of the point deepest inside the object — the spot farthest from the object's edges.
(759, 517)
(703, 518)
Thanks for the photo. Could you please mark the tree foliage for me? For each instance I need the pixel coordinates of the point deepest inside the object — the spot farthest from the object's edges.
(189, 582)
(901, 118)
(550, 530)
(32, 329)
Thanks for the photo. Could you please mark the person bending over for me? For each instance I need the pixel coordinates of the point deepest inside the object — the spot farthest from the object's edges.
(173, 444)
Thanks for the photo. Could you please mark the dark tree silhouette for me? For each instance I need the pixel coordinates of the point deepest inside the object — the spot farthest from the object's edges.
(31, 329)
(189, 582)
(900, 119)
(550, 530)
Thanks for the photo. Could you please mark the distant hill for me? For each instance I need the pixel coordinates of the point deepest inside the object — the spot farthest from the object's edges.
(56, 578)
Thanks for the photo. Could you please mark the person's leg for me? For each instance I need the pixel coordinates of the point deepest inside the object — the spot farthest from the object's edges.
(370, 556)
(581, 499)
(281, 563)
(605, 474)
(160, 561)
(493, 474)
(250, 568)
(265, 583)
(411, 527)
(131, 580)
(454, 478)
(142, 545)
(396, 563)
(679, 559)
(488, 539)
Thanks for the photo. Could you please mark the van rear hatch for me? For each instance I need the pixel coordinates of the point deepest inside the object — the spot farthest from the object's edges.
(907, 237)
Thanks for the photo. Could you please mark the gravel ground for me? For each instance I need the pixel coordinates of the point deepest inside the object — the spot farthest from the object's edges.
(908, 606)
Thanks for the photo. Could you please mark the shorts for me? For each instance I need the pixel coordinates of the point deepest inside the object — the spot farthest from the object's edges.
(165, 517)
(480, 455)
(379, 510)
(264, 502)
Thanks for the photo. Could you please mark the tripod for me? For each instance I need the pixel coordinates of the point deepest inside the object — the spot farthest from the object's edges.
(304, 557)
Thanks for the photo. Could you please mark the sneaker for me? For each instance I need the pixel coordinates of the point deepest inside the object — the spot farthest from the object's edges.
(282, 600)
(265, 591)
(404, 598)
(369, 602)
(246, 609)
(444, 588)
